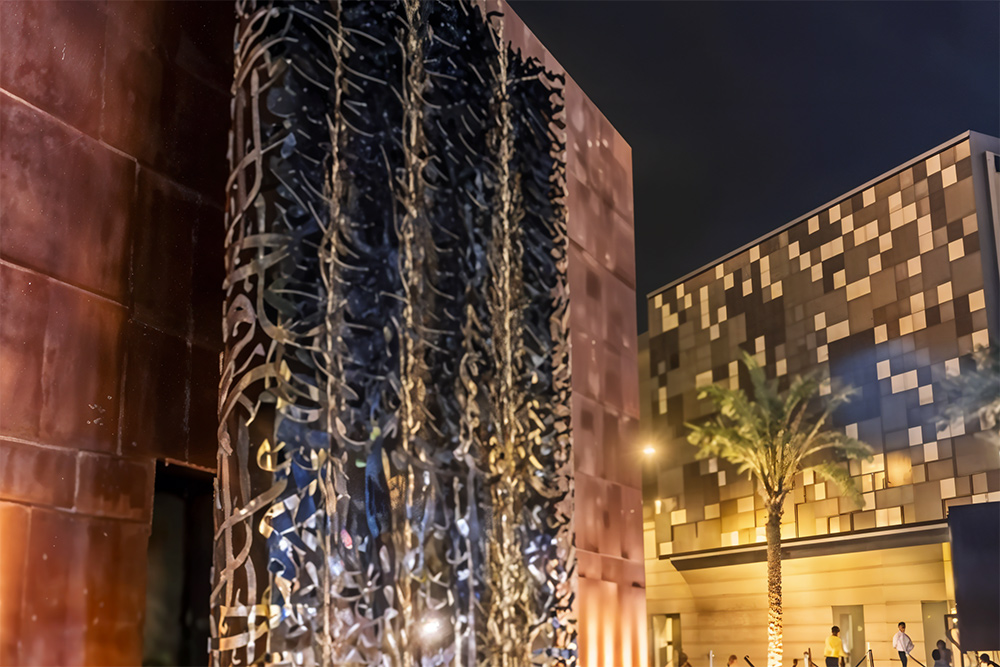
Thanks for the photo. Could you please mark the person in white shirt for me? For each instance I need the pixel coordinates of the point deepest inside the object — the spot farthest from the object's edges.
(902, 643)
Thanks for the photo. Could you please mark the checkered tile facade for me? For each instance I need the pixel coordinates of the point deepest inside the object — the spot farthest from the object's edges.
(884, 290)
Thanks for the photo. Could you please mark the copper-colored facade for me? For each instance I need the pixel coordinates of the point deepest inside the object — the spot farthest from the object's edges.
(605, 399)
(605, 391)
(113, 121)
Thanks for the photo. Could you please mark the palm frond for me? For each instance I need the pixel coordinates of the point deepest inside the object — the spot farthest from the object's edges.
(975, 391)
(846, 447)
(841, 477)
(774, 434)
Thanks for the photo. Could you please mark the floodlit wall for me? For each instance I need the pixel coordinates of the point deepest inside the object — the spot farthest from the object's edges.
(887, 288)
(611, 600)
(113, 120)
(605, 390)
(724, 609)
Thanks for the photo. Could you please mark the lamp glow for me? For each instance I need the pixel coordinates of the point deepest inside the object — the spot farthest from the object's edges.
(431, 629)
(649, 450)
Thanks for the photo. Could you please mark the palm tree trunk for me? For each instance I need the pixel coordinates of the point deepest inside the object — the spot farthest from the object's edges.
(774, 644)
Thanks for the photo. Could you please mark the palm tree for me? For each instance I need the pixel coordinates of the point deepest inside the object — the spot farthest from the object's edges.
(975, 391)
(772, 437)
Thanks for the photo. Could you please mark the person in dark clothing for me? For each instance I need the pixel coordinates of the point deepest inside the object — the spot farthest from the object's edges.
(946, 654)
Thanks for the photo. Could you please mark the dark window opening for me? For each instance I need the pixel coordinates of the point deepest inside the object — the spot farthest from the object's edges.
(178, 580)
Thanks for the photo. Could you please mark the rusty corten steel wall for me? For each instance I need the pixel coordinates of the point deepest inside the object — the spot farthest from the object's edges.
(113, 120)
(612, 595)
(611, 602)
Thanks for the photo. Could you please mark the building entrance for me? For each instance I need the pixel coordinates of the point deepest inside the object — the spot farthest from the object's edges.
(851, 620)
(933, 613)
(665, 644)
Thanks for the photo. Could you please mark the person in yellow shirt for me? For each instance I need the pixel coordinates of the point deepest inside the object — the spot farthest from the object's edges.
(834, 650)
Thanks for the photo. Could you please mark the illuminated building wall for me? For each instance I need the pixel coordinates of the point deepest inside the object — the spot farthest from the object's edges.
(611, 605)
(889, 288)
(114, 120)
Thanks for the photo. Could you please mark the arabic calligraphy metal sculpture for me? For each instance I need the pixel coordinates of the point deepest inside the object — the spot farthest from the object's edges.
(395, 472)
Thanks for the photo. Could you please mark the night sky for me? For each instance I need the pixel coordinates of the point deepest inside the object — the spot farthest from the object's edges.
(744, 116)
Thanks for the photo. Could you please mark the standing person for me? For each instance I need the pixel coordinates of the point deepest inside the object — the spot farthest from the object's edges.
(946, 654)
(902, 643)
(938, 658)
(732, 661)
(834, 650)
